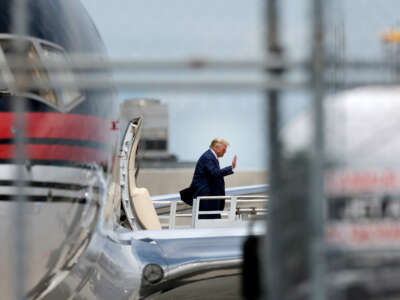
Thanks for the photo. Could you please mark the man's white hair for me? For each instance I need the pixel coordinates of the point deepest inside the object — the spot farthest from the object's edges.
(218, 141)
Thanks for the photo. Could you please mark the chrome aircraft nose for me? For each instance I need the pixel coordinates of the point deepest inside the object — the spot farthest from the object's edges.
(55, 224)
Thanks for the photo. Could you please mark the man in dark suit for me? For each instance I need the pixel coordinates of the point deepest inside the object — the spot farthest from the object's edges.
(208, 178)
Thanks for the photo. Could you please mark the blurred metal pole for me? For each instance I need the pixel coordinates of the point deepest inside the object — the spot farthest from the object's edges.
(317, 263)
(19, 27)
(273, 277)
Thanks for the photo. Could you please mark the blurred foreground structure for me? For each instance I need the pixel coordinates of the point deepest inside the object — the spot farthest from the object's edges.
(333, 213)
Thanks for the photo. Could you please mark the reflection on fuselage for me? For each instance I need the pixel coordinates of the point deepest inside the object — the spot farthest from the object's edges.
(69, 144)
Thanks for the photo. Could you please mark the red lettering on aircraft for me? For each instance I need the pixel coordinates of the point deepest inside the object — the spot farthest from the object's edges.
(354, 182)
(378, 234)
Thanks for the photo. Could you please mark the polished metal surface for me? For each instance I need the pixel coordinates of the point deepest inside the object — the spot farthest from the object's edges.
(112, 265)
(188, 258)
(55, 232)
(46, 183)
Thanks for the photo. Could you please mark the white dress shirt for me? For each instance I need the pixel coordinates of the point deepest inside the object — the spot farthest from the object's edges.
(215, 154)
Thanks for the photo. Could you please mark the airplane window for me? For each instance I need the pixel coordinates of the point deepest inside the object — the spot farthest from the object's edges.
(62, 73)
(36, 75)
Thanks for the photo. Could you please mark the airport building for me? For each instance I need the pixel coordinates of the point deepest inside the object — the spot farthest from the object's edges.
(153, 148)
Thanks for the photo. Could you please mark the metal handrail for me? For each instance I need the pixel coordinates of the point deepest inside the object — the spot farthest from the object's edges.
(235, 191)
(241, 194)
(233, 214)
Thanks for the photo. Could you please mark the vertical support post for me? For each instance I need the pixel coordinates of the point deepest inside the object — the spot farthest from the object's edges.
(317, 255)
(195, 211)
(273, 278)
(172, 215)
(19, 27)
(232, 211)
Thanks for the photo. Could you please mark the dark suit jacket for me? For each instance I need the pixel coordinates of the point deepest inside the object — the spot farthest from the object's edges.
(208, 180)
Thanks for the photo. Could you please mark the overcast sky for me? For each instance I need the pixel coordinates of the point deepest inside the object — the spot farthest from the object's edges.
(232, 28)
(176, 28)
(180, 29)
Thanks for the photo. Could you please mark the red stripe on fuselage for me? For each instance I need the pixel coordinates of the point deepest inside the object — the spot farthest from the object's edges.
(60, 126)
(58, 152)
